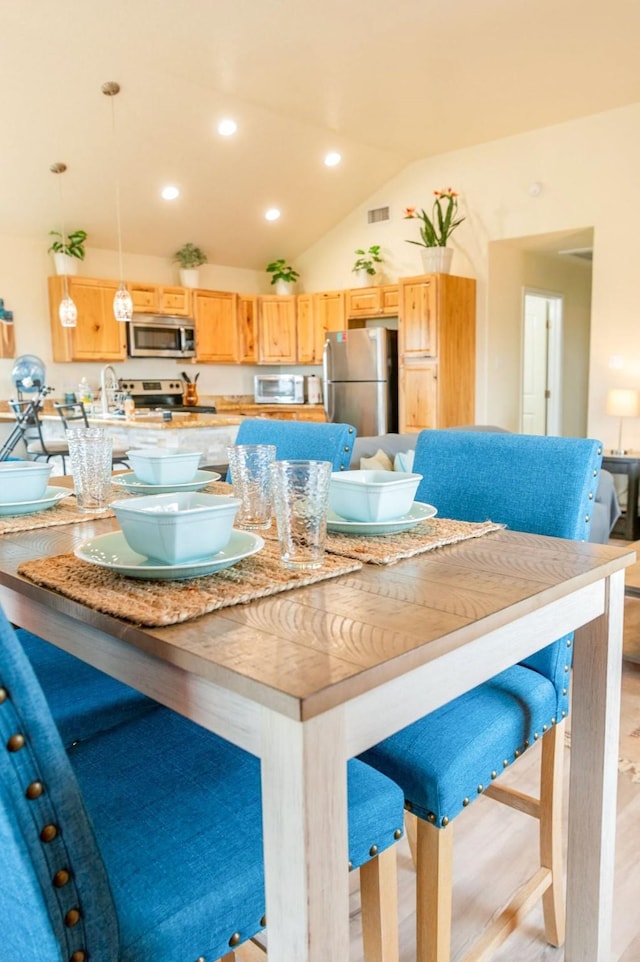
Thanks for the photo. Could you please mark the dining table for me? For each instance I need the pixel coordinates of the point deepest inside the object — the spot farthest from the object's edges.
(310, 677)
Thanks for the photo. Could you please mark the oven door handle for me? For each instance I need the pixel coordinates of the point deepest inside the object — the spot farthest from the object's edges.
(183, 340)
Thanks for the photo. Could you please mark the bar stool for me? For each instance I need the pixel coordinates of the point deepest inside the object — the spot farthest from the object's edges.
(77, 412)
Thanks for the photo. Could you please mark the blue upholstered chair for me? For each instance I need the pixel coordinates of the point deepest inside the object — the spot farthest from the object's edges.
(443, 761)
(143, 843)
(307, 440)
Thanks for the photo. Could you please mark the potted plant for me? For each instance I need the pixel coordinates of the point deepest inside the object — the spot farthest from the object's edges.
(436, 230)
(190, 258)
(282, 275)
(67, 251)
(364, 266)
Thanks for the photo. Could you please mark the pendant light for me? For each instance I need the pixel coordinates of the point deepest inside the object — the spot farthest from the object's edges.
(122, 303)
(67, 310)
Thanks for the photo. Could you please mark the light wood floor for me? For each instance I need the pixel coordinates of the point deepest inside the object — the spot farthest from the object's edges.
(494, 849)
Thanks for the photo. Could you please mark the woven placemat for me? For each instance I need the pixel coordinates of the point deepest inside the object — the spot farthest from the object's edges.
(157, 603)
(389, 548)
(66, 512)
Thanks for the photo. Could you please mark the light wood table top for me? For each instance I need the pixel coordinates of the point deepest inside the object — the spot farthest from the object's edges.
(309, 678)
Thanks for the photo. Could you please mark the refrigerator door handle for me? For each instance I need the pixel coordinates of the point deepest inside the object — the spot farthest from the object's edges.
(327, 388)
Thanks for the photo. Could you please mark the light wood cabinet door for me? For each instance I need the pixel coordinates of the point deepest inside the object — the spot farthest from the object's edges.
(247, 321)
(216, 326)
(418, 400)
(310, 333)
(144, 298)
(175, 300)
(97, 335)
(373, 301)
(417, 328)
(331, 311)
(277, 342)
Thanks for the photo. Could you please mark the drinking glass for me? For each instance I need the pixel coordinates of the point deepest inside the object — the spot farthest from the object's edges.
(249, 469)
(90, 454)
(300, 492)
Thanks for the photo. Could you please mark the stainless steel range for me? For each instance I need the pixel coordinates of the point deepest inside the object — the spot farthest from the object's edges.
(163, 395)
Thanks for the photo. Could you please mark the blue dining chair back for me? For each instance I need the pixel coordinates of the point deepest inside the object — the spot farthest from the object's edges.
(301, 440)
(540, 485)
(143, 842)
(82, 700)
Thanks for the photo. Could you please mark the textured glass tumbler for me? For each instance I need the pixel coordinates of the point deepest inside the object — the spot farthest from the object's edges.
(300, 492)
(90, 454)
(249, 469)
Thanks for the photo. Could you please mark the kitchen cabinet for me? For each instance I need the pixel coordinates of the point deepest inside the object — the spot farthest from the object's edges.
(277, 341)
(247, 322)
(437, 351)
(373, 301)
(159, 299)
(284, 412)
(330, 311)
(97, 335)
(310, 331)
(215, 314)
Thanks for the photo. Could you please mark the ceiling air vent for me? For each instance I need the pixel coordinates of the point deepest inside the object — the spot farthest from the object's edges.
(584, 253)
(377, 214)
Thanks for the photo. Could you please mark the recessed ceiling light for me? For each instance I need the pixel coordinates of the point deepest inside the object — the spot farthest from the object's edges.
(272, 214)
(332, 158)
(227, 127)
(170, 193)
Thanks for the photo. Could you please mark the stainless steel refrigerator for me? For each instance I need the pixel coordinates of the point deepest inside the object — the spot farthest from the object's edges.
(360, 369)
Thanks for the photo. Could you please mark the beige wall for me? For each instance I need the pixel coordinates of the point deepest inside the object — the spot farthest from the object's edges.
(511, 269)
(588, 170)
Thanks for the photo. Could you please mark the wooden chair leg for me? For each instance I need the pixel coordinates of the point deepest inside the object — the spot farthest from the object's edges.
(551, 790)
(379, 899)
(411, 829)
(433, 891)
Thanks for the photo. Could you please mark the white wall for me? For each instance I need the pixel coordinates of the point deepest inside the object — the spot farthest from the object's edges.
(24, 268)
(589, 172)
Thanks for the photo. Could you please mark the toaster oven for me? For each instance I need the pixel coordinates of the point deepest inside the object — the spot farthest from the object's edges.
(278, 388)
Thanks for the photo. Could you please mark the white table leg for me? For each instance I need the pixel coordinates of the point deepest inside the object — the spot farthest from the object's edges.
(304, 804)
(592, 801)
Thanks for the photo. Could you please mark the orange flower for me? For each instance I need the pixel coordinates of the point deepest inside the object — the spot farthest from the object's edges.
(437, 228)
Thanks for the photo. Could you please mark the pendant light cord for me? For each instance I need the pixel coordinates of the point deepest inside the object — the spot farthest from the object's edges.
(117, 170)
(65, 282)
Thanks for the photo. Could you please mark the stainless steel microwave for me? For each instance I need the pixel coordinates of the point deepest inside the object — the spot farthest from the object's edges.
(278, 388)
(151, 335)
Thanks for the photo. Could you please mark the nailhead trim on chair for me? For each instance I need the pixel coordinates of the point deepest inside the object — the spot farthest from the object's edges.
(49, 834)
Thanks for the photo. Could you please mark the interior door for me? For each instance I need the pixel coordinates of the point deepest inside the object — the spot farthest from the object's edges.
(541, 391)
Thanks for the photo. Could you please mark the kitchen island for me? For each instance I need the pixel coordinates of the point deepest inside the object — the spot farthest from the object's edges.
(208, 433)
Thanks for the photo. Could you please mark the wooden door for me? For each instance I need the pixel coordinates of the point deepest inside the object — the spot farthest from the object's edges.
(216, 327)
(97, 335)
(417, 317)
(175, 300)
(418, 400)
(309, 339)
(277, 330)
(247, 322)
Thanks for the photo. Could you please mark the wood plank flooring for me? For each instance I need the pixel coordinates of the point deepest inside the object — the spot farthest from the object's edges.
(494, 851)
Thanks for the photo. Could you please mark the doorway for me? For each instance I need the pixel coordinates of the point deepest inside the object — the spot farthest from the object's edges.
(541, 402)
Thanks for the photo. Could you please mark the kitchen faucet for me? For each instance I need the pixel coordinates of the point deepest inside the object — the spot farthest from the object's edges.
(109, 384)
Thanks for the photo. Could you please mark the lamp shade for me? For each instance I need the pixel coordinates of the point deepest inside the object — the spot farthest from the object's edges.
(623, 403)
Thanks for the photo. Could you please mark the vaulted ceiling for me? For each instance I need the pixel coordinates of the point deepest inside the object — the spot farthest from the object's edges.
(383, 83)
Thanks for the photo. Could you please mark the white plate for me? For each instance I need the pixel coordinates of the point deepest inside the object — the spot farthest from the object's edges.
(51, 496)
(417, 513)
(131, 483)
(112, 551)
